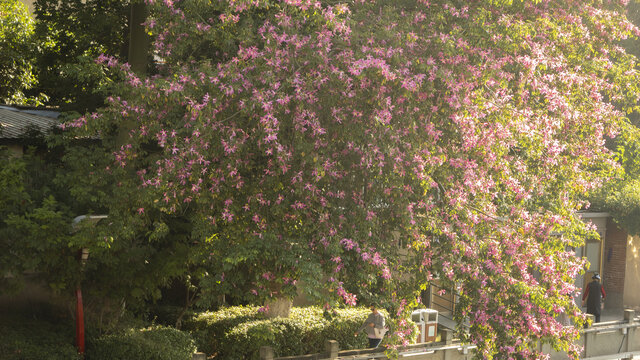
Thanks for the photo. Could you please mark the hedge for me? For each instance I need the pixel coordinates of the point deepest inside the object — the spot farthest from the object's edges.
(153, 343)
(239, 332)
(209, 328)
(31, 339)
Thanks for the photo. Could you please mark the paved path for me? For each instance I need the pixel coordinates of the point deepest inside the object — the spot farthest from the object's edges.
(614, 314)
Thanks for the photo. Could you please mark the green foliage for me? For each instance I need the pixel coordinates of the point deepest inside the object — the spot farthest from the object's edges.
(621, 194)
(27, 338)
(238, 332)
(34, 226)
(153, 343)
(70, 35)
(66, 177)
(622, 200)
(16, 57)
(49, 186)
(209, 328)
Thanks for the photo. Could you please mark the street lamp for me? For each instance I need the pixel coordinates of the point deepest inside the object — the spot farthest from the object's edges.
(83, 255)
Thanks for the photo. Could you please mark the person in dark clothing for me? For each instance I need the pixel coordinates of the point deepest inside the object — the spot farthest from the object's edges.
(594, 295)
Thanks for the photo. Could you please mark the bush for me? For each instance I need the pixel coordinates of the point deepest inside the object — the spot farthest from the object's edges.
(239, 332)
(153, 343)
(209, 329)
(168, 314)
(342, 326)
(26, 338)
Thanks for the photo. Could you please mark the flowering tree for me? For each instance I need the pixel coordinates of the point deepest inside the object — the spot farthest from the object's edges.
(359, 151)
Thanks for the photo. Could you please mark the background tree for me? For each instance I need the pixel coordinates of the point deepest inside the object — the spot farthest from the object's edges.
(35, 226)
(621, 195)
(64, 177)
(357, 152)
(70, 35)
(18, 45)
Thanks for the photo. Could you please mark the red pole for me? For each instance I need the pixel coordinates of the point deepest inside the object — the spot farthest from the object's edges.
(79, 321)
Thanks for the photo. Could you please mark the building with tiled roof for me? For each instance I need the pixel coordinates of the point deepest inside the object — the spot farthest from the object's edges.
(17, 123)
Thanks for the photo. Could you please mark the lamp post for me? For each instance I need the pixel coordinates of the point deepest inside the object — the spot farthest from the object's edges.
(83, 255)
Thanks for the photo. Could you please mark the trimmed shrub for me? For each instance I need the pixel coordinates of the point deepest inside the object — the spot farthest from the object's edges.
(29, 339)
(153, 343)
(239, 332)
(342, 326)
(210, 329)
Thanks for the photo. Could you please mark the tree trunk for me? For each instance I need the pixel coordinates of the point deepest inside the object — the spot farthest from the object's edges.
(138, 39)
(278, 307)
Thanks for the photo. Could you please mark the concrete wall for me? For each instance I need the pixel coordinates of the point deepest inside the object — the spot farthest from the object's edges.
(33, 297)
(631, 298)
(29, 4)
(15, 150)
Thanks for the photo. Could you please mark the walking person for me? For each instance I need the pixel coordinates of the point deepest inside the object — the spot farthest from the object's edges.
(594, 295)
(374, 327)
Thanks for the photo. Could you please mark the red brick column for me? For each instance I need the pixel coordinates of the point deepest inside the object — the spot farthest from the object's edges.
(614, 257)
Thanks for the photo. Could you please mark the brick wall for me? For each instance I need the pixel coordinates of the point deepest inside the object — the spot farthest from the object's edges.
(614, 258)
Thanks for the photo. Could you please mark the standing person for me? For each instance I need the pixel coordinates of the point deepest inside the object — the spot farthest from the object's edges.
(594, 295)
(374, 327)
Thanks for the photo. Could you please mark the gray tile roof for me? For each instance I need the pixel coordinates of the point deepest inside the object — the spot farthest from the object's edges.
(14, 122)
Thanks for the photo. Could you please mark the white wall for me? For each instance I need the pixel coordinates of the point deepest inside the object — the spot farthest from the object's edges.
(30, 4)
